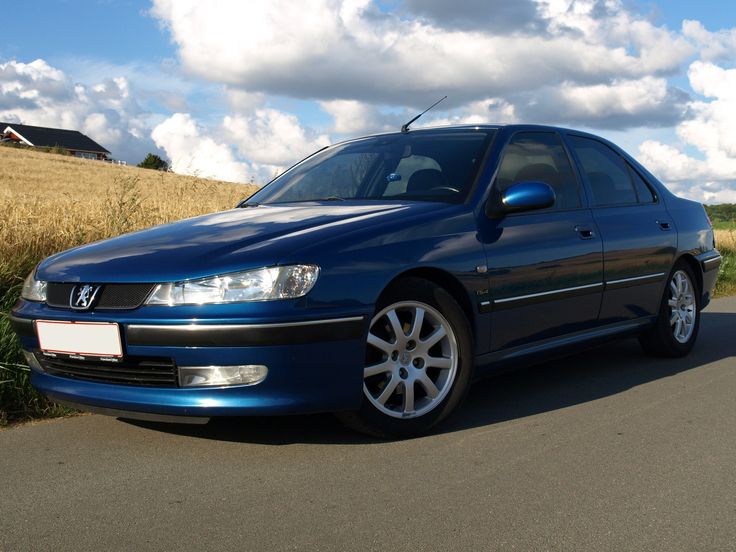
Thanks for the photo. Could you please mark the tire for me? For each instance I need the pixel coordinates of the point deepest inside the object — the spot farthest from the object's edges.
(676, 329)
(419, 362)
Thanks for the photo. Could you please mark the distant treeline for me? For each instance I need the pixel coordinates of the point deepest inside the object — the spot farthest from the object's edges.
(725, 212)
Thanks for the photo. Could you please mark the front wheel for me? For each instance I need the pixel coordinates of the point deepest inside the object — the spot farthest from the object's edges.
(677, 325)
(418, 362)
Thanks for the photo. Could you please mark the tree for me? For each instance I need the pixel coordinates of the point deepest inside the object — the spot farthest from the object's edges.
(153, 161)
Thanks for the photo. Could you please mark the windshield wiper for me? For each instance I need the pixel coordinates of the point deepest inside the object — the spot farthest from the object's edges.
(329, 198)
(244, 204)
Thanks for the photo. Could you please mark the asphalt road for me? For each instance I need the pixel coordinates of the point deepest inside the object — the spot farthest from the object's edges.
(605, 450)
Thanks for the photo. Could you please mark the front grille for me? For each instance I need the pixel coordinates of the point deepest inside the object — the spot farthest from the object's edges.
(148, 372)
(110, 297)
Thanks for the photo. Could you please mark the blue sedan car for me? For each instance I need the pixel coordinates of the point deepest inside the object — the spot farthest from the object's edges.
(375, 279)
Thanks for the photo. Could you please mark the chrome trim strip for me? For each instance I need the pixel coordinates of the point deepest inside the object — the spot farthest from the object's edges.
(195, 327)
(543, 293)
(636, 278)
(712, 259)
(245, 335)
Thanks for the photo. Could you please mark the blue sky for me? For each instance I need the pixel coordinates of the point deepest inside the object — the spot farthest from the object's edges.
(238, 90)
(116, 31)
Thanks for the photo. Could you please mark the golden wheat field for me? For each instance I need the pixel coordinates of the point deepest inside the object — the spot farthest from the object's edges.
(52, 202)
(726, 241)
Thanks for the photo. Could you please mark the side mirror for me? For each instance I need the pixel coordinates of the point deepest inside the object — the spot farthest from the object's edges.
(525, 196)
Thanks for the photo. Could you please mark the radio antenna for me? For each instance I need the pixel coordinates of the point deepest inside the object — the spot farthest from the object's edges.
(405, 127)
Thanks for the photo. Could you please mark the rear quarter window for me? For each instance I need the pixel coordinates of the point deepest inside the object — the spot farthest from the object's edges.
(642, 188)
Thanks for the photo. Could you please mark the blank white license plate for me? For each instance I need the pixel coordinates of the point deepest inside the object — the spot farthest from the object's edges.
(80, 338)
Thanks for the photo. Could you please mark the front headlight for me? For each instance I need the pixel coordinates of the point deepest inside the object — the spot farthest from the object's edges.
(33, 290)
(263, 284)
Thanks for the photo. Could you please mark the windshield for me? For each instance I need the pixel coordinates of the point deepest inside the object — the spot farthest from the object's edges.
(421, 166)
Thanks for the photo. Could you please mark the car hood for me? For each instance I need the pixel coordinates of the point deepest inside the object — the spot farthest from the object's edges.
(220, 242)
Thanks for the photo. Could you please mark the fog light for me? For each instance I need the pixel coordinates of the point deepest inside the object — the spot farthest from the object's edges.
(199, 376)
(32, 361)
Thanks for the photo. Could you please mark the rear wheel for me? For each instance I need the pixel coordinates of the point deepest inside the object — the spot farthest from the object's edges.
(418, 363)
(676, 329)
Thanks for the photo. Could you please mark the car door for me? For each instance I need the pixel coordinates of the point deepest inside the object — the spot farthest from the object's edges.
(545, 267)
(639, 237)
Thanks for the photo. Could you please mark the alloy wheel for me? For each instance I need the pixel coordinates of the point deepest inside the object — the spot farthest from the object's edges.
(683, 311)
(411, 359)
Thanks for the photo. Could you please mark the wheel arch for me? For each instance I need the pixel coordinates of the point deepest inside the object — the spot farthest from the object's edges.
(446, 281)
(692, 262)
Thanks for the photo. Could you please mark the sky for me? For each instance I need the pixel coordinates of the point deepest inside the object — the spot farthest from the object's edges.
(241, 90)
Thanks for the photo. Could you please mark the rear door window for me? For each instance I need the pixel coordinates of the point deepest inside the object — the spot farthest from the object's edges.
(608, 175)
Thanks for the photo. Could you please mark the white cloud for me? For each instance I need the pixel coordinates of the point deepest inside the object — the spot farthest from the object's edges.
(502, 17)
(97, 125)
(712, 46)
(355, 51)
(252, 147)
(620, 103)
(652, 49)
(493, 110)
(192, 152)
(709, 130)
(242, 101)
(271, 137)
(712, 127)
(669, 163)
(353, 118)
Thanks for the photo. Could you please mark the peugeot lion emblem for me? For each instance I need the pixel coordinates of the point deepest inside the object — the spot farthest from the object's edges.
(82, 296)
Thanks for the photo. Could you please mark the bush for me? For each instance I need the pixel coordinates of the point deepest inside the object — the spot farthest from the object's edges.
(153, 161)
(722, 215)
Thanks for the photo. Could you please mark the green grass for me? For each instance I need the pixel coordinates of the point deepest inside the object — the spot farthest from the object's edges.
(726, 244)
(726, 284)
(18, 400)
(724, 225)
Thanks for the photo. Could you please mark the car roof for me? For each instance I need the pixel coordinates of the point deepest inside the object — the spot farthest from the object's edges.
(479, 126)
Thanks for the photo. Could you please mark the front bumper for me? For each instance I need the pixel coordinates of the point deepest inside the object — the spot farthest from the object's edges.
(314, 364)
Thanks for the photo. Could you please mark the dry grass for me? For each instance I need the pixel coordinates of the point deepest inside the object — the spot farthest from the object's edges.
(726, 243)
(51, 202)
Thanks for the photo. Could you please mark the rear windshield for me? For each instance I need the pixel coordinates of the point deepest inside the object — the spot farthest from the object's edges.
(421, 166)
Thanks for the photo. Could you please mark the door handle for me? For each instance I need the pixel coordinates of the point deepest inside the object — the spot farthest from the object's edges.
(585, 232)
(664, 225)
